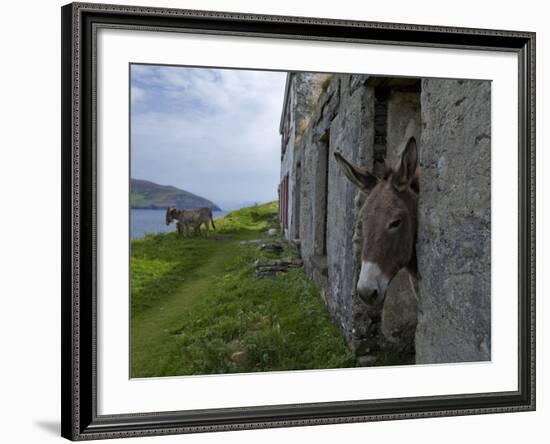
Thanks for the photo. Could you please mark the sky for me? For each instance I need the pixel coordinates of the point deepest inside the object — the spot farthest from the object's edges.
(213, 132)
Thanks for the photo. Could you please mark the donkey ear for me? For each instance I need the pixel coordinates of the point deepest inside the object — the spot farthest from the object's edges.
(359, 176)
(406, 168)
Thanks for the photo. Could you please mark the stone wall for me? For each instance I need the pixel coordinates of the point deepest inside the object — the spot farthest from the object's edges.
(351, 134)
(454, 239)
(343, 120)
(365, 118)
(303, 92)
(339, 122)
(403, 106)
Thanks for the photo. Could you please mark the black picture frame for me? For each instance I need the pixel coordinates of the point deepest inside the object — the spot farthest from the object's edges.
(78, 333)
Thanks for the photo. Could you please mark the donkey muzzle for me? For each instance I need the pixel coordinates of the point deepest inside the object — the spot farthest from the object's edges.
(372, 285)
(369, 297)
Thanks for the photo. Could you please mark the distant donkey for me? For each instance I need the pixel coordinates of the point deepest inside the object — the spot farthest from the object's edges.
(389, 222)
(190, 218)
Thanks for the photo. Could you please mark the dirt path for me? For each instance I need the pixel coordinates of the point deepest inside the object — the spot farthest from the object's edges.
(151, 329)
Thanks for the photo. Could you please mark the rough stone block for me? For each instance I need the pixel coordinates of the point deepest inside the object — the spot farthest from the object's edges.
(454, 239)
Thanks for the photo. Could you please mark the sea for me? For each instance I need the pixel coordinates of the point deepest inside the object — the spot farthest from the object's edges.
(143, 222)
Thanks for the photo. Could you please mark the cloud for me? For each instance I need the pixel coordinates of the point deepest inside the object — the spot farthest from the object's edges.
(213, 132)
(138, 94)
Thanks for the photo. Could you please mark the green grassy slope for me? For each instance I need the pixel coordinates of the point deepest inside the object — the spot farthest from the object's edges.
(196, 302)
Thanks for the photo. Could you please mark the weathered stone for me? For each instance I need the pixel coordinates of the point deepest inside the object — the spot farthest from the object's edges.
(263, 244)
(274, 247)
(278, 263)
(365, 119)
(399, 316)
(403, 106)
(252, 242)
(360, 347)
(367, 360)
(309, 86)
(350, 134)
(330, 232)
(303, 90)
(357, 81)
(273, 268)
(256, 242)
(272, 232)
(239, 357)
(454, 239)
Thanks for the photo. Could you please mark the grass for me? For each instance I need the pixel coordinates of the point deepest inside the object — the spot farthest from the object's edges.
(197, 307)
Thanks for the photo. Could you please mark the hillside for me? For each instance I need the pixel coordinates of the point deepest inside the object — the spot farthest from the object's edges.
(145, 194)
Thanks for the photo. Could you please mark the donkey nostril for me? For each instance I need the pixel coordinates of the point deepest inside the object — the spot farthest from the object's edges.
(368, 296)
(372, 296)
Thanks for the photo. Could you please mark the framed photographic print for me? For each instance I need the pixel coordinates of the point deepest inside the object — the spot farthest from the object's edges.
(278, 221)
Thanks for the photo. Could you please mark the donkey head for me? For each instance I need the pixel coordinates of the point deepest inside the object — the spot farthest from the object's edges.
(389, 223)
(171, 215)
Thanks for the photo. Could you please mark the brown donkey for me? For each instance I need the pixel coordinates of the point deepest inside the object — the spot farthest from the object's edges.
(389, 223)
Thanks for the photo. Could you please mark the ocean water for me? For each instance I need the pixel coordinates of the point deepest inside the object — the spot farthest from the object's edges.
(143, 222)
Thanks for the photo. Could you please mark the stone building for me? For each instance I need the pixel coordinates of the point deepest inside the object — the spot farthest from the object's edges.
(302, 91)
(365, 118)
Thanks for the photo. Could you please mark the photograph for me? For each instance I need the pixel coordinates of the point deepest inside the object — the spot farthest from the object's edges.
(293, 220)
(275, 221)
(282, 221)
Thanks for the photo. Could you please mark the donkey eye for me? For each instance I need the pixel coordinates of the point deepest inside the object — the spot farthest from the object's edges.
(394, 224)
